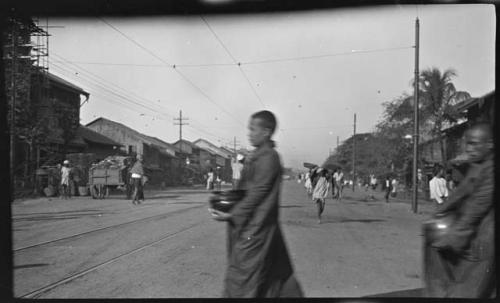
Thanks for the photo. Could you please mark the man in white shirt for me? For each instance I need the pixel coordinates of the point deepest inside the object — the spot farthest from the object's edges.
(338, 178)
(237, 167)
(437, 186)
(65, 180)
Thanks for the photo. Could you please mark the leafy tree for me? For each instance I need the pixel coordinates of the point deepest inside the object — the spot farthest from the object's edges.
(370, 154)
(387, 150)
(438, 96)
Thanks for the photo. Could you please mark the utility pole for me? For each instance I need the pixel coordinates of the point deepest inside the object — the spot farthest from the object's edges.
(234, 145)
(13, 107)
(354, 154)
(415, 121)
(180, 123)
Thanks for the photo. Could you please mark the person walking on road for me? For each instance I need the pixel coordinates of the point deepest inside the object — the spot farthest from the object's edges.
(394, 187)
(387, 188)
(461, 262)
(308, 183)
(321, 192)
(210, 179)
(450, 184)
(338, 179)
(258, 261)
(437, 186)
(237, 166)
(65, 180)
(373, 182)
(137, 173)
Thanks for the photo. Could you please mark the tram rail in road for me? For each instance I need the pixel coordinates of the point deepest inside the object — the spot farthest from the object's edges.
(40, 291)
(162, 216)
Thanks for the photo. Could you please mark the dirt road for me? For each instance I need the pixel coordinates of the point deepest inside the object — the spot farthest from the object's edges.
(170, 246)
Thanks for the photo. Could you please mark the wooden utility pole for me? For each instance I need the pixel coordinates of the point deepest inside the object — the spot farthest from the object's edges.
(415, 121)
(354, 155)
(13, 107)
(234, 146)
(180, 123)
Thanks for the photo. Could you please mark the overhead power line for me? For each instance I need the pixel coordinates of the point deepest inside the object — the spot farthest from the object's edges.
(234, 60)
(119, 88)
(352, 52)
(133, 41)
(112, 85)
(254, 62)
(183, 76)
(119, 99)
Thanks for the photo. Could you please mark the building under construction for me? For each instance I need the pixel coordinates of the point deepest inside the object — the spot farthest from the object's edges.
(43, 109)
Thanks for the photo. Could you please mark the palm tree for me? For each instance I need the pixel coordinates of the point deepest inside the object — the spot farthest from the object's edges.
(438, 96)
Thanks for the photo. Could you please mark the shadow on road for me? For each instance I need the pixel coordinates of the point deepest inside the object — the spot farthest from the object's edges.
(189, 203)
(291, 206)
(163, 197)
(407, 293)
(63, 215)
(352, 221)
(30, 265)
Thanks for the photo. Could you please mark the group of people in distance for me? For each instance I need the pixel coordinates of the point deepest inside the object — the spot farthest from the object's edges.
(318, 182)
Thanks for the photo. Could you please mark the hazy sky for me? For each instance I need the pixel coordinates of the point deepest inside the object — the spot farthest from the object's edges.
(314, 98)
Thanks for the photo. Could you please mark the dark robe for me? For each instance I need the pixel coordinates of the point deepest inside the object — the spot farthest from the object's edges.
(461, 264)
(258, 260)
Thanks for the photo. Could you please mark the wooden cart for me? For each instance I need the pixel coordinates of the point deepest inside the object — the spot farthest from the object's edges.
(103, 179)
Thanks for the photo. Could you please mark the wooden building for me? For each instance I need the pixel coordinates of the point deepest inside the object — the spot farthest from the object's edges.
(160, 160)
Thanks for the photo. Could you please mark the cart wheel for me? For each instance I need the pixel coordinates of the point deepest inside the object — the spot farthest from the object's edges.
(93, 192)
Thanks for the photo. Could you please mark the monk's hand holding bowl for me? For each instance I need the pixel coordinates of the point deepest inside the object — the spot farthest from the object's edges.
(219, 215)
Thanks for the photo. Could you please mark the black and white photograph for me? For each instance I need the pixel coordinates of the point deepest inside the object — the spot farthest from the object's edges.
(207, 152)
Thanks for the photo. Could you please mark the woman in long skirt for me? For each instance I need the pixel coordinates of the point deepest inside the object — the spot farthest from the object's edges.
(320, 192)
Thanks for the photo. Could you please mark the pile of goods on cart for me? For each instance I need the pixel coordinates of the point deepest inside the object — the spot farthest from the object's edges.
(110, 173)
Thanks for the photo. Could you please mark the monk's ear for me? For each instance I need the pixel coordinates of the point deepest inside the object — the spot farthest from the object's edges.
(268, 132)
(489, 144)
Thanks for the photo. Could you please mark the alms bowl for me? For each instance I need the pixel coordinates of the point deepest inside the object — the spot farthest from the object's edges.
(437, 227)
(225, 200)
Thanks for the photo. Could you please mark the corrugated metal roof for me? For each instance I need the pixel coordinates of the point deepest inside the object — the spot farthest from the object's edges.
(464, 105)
(212, 147)
(151, 141)
(90, 135)
(66, 84)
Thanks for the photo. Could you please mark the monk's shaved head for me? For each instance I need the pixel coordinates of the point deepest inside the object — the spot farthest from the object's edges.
(478, 142)
(482, 131)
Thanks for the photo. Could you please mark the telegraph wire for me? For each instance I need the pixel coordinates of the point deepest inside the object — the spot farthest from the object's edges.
(317, 127)
(234, 60)
(112, 84)
(133, 41)
(150, 102)
(218, 39)
(207, 96)
(109, 91)
(254, 62)
(174, 67)
(120, 97)
(352, 52)
(106, 98)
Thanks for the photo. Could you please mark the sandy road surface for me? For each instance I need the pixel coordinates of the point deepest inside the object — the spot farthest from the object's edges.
(172, 248)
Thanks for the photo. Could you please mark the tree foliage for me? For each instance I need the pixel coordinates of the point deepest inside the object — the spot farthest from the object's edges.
(388, 149)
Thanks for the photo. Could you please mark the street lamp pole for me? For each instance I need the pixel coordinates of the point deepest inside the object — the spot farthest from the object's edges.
(415, 121)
